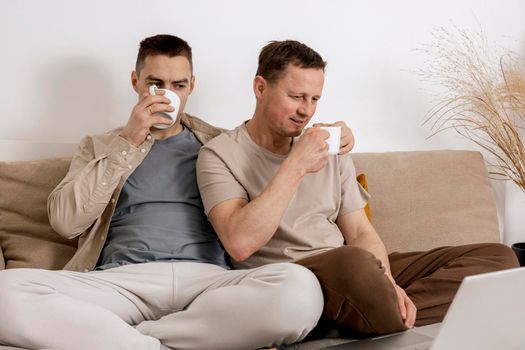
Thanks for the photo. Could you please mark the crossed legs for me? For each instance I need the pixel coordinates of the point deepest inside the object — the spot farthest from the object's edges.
(183, 305)
(360, 300)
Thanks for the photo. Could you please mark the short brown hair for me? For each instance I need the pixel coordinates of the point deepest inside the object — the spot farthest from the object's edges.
(162, 44)
(277, 55)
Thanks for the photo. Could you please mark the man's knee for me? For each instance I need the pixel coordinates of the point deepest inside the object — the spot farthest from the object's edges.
(348, 275)
(12, 305)
(347, 270)
(10, 286)
(295, 304)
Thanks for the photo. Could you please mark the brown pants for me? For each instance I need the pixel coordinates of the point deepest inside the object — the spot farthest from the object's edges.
(360, 300)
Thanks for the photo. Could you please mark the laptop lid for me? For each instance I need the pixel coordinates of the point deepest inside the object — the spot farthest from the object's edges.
(487, 313)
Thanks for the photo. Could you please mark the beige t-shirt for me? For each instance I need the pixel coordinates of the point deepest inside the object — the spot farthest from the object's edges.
(233, 166)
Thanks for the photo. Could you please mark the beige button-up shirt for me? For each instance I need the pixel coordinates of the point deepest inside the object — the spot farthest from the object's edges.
(83, 203)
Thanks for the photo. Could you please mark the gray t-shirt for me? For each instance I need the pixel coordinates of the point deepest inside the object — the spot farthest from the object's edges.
(159, 215)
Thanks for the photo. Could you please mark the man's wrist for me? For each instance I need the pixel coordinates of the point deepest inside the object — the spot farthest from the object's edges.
(129, 139)
(390, 277)
(294, 171)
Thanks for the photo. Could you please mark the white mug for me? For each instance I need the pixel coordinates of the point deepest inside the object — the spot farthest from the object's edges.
(175, 102)
(334, 141)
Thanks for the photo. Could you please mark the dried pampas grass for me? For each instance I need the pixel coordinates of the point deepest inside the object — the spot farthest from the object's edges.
(484, 98)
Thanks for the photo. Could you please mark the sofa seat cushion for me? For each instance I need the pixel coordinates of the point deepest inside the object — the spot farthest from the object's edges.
(26, 237)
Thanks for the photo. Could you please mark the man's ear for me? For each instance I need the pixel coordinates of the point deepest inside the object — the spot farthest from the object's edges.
(259, 86)
(134, 80)
(192, 83)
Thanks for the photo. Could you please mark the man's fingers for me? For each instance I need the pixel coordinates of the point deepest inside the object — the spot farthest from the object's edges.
(413, 315)
(402, 306)
(154, 108)
(337, 123)
(407, 309)
(411, 312)
(151, 100)
(315, 130)
(160, 120)
(318, 125)
(160, 92)
(344, 149)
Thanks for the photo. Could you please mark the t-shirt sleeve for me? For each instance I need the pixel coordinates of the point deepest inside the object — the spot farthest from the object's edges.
(353, 195)
(216, 182)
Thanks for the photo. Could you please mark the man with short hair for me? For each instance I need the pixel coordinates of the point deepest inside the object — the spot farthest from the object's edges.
(161, 276)
(273, 194)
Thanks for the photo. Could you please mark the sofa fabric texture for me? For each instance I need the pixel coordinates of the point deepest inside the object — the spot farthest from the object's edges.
(427, 199)
(420, 200)
(26, 237)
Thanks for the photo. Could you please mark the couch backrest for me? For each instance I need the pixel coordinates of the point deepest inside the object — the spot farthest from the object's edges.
(26, 237)
(420, 200)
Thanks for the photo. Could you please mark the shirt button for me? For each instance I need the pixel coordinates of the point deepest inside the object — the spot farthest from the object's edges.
(130, 166)
(149, 137)
(102, 238)
(112, 200)
(86, 270)
(124, 153)
(143, 150)
(104, 183)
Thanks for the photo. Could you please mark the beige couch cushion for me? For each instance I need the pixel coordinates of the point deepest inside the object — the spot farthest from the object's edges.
(422, 200)
(26, 238)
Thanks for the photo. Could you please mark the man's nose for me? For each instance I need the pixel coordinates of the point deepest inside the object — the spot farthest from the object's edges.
(306, 109)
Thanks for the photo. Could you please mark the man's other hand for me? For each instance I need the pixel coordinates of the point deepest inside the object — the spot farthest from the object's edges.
(407, 308)
(347, 137)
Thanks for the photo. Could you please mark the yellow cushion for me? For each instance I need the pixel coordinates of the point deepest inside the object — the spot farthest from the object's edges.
(361, 179)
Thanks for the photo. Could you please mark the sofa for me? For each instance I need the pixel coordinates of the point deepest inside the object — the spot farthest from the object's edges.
(420, 200)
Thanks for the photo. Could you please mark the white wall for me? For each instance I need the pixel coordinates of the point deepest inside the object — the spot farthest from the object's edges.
(66, 64)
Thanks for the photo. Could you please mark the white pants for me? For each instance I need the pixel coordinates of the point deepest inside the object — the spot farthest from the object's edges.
(183, 305)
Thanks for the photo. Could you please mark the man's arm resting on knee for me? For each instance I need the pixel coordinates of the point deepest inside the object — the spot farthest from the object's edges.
(359, 232)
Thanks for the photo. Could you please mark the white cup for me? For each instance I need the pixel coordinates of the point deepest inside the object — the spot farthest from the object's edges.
(175, 102)
(334, 141)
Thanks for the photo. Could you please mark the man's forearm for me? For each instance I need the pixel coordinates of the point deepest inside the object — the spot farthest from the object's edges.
(358, 232)
(371, 242)
(80, 199)
(85, 192)
(252, 226)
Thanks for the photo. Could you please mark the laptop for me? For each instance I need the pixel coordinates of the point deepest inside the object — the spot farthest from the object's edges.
(487, 313)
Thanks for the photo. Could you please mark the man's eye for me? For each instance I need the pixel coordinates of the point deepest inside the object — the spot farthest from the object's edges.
(297, 97)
